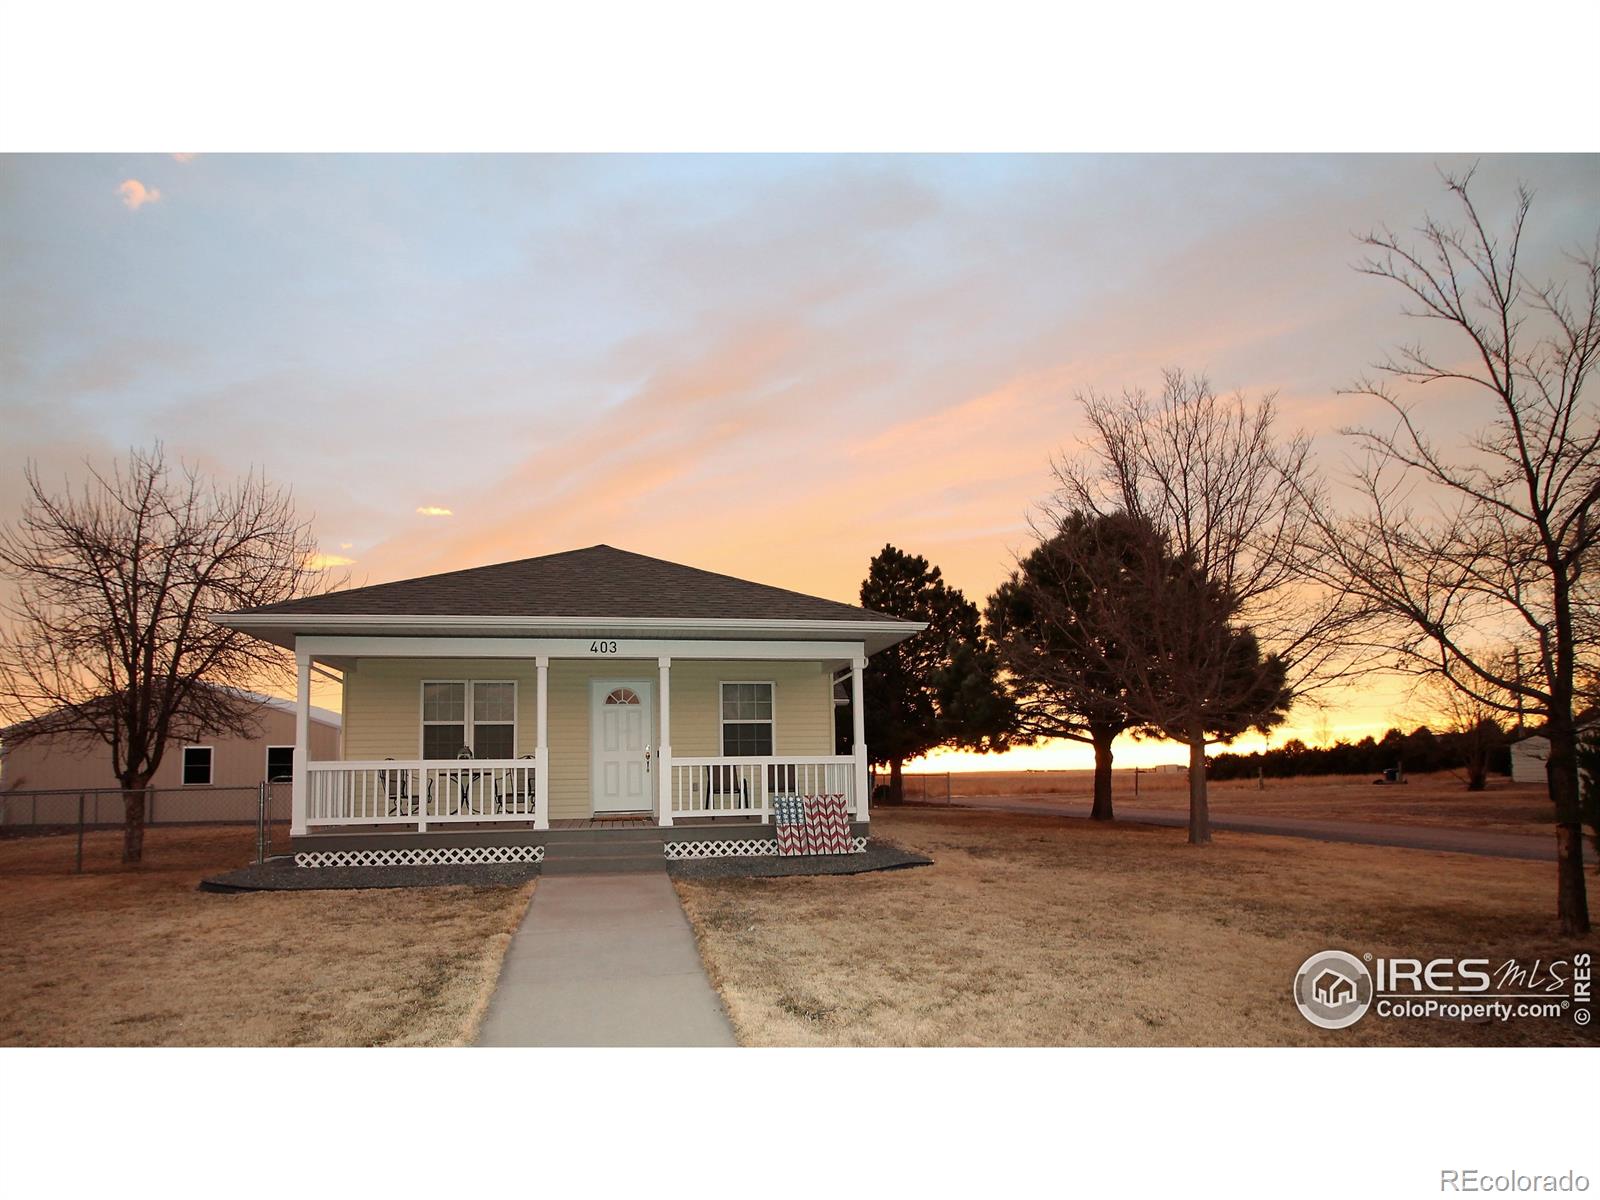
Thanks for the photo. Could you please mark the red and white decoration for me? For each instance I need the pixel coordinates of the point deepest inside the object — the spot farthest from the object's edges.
(827, 824)
(789, 823)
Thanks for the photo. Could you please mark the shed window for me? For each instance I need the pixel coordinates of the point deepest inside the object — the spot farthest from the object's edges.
(197, 764)
(747, 720)
(280, 764)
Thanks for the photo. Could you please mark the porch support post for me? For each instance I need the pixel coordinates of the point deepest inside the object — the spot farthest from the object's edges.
(858, 737)
(664, 747)
(302, 744)
(541, 747)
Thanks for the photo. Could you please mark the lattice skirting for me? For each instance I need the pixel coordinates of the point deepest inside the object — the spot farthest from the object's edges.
(420, 856)
(738, 848)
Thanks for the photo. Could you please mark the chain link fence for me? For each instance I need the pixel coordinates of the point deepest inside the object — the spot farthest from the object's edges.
(919, 788)
(82, 829)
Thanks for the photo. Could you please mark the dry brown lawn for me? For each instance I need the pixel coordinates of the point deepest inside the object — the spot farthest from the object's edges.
(138, 957)
(1439, 799)
(1051, 931)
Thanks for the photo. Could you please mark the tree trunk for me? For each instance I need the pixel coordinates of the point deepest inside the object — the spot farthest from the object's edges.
(1101, 810)
(897, 783)
(1199, 814)
(1561, 769)
(1477, 776)
(133, 802)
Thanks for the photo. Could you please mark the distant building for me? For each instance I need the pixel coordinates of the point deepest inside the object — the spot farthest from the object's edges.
(71, 761)
(1529, 754)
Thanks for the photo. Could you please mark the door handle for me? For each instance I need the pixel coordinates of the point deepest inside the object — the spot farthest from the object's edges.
(647, 760)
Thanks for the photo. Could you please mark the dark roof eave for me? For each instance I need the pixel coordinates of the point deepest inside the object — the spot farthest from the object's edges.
(877, 632)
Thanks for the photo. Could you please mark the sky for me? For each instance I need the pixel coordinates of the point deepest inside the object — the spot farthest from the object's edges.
(768, 366)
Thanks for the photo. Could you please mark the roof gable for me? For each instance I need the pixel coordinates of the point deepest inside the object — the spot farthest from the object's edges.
(599, 581)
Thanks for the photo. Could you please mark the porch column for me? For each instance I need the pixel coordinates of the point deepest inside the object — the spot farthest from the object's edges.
(302, 744)
(664, 747)
(858, 738)
(541, 748)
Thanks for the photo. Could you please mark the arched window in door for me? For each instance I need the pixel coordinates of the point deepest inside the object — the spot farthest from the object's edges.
(622, 695)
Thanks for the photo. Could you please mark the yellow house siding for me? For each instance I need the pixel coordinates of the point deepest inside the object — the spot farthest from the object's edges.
(383, 709)
(383, 701)
(802, 705)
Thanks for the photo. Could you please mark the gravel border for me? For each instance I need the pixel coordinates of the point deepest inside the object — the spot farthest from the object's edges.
(878, 856)
(281, 875)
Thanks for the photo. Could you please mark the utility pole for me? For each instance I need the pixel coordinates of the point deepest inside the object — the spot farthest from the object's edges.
(1516, 673)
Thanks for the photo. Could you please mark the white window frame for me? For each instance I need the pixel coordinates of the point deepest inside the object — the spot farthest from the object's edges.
(211, 766)
(722, 722)
(467, 714)
(266, 761)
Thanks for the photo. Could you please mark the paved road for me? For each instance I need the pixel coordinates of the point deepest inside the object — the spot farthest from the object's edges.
(604, 960)
(1539, 847)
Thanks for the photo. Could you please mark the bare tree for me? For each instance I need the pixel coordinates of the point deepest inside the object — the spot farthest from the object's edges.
(1227, 631)
(1471, 724)
(108, 636)
(1478, 555)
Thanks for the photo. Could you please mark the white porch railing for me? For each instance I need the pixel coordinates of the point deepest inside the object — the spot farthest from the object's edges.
(744, 787)
(422, 793)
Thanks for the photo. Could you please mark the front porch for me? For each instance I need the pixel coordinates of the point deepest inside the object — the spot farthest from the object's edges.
(590, 727)
(420, 794)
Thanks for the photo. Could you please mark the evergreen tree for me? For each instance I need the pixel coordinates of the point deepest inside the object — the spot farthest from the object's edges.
(1059, 660)
(938, 688)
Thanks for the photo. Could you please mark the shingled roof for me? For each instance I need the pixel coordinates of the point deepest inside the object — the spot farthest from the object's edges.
(599, 582)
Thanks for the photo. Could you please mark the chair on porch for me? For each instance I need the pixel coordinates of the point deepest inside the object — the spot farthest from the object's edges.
(396, 785)
(726, 781)
(518, 790)
(464, 780)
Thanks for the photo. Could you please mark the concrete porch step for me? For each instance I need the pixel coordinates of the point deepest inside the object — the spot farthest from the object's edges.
(612, 864)
(595, 851)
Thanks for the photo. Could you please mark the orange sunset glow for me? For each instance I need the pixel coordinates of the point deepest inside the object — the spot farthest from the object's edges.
(763, 366)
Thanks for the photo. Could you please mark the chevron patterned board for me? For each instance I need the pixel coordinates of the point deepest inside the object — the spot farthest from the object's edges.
(827, 825)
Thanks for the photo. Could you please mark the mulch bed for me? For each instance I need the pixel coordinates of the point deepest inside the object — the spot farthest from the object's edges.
(281, 875)
(878, 856)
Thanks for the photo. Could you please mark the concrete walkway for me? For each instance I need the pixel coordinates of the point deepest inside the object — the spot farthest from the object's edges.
(604, 960)
(1487, 842)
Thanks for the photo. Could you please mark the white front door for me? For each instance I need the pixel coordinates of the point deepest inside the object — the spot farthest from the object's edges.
(621, 741)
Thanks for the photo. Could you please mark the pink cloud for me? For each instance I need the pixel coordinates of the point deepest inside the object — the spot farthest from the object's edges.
(135, 195)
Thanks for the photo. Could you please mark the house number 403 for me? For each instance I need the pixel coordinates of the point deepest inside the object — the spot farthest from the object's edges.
(602, 647)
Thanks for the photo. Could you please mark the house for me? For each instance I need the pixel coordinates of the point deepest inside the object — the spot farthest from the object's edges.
(487, 711)
(216, 774)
